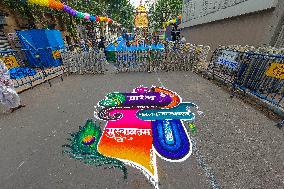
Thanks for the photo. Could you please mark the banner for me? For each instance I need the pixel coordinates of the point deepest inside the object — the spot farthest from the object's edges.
(228, 59)
(276, 70)
(10, 61)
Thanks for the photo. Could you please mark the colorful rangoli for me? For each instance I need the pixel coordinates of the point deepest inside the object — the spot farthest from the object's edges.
(139, 126)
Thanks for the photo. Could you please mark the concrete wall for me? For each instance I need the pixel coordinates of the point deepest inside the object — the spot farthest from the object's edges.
(277, 22)
(251, 29)
(196, 12)
(255, 29)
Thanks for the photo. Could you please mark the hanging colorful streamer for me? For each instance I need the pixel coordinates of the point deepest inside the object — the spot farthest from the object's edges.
(54, 4)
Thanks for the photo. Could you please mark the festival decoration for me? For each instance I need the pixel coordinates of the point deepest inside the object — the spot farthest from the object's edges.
(56, 54)
(176, 20)
(141, 17)
(10, 61)
(140, 125)
(83, 146)
(192, 128)
(54, 4)
(276, 70)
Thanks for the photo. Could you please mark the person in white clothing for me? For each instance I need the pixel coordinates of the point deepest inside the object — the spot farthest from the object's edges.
(183, 40)
(8, 94)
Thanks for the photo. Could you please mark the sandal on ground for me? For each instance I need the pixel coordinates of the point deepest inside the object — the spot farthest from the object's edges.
(20, 106)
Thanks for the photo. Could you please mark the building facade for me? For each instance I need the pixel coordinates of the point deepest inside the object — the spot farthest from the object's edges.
(234, 22)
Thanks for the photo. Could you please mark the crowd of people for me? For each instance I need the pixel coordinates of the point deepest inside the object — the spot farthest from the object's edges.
(135, 39)
(95, 43)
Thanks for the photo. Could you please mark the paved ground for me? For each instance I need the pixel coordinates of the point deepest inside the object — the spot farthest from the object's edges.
(236, 144)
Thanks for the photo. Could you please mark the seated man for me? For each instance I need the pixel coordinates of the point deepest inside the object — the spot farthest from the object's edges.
(8, 94)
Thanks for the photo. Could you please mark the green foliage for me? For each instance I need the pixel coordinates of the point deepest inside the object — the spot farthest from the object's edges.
(120, 11)
(163, 11)
(18, 6)
(33, 13)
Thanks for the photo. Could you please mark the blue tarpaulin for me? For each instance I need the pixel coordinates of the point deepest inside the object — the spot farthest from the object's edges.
(39, 44)
(121, 46)
(20, 72)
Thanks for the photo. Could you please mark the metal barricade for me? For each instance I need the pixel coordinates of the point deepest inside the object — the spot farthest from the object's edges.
(175, 57)
(253, 76)
(23, 74)
(82, 62)
(260, 75)
(223, 66)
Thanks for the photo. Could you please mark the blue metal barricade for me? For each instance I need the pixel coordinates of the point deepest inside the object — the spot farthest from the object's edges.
(259, 74)
(253, 76)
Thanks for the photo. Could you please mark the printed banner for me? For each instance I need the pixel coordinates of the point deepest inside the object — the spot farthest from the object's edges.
(10, 62)
(227, 59)
(276, 70)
